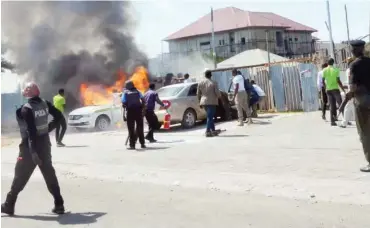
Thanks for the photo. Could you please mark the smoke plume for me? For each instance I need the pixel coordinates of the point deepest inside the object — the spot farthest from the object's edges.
(61, 44)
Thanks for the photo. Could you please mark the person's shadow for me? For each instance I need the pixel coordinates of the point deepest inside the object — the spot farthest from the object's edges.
(68, 218)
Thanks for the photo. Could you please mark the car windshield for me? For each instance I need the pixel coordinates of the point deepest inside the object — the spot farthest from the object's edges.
(169, 91)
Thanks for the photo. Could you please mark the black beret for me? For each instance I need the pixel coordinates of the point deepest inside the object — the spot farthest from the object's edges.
(357, 43)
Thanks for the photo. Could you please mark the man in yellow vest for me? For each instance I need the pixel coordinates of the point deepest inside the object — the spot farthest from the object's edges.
(59, 103)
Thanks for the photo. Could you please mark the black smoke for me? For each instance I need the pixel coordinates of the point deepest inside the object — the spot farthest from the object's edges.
(60, 44)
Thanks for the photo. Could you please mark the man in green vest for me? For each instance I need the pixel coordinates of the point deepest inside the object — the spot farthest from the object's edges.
(59, 103)
(332, 83)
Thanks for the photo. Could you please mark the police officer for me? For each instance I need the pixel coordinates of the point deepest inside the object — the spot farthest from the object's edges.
(360, 91)
(35, 148)
(133, 102)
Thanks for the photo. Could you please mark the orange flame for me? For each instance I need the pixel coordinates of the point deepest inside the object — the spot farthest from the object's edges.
(140, 79)
(92, 94)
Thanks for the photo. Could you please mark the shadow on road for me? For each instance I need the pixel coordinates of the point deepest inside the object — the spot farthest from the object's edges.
(66, 219)
(77, 146)
(232, 136)
(266, 116)
(261, 122)
(153, 148)
(170, 141)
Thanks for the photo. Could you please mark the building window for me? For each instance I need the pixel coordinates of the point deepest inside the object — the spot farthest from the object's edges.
(296, 39)
(205, 43)
(279, 39)
(242, 40)
(222, 42)
(290, 39)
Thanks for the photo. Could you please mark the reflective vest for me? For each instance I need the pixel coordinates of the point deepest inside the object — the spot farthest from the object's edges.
(40, 113)
(133, 99)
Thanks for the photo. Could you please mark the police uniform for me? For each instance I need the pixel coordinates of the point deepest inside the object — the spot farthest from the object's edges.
(34, 128)
(132, 100)
(360, 80)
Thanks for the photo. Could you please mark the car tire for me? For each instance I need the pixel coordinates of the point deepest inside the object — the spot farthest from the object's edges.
(189, 118)
(102, 123)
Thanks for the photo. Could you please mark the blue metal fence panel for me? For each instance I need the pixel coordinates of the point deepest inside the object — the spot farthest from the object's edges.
(310, 96)
(278, 87)
(292, 87)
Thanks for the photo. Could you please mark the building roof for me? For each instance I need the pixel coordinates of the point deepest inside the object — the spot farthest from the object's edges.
(232, 18)
(250, 58)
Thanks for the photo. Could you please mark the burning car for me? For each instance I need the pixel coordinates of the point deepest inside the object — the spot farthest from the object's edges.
(100, 117)
(102, 104)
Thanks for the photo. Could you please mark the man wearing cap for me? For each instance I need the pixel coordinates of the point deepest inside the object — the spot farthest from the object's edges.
(360, 92)
(332, 83)
(134, 103)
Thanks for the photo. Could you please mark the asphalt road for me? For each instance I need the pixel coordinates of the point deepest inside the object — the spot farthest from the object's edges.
(291, 170)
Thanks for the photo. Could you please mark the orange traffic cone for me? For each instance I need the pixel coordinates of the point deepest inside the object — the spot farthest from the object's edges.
(167, 121)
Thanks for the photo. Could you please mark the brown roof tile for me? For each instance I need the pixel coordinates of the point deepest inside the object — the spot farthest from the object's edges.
(232, 18)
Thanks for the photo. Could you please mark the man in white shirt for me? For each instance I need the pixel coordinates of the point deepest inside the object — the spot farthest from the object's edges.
(349, 110)
(240, 97)
(186, 78)
(322, 91)
(261, 95)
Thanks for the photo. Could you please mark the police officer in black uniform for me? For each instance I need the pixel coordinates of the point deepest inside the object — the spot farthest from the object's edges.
(360, 92)
(35, 148)
(134, 103)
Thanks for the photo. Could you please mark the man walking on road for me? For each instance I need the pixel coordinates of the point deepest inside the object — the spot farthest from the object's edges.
(134, 103)
(151, 97)
(59, 103)
(208, 95)
(35, 148)
(240, 97)
(331, 81)
(322, 91)
(360, 91)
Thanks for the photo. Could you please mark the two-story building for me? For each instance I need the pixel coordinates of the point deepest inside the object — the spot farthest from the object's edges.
(237, 30)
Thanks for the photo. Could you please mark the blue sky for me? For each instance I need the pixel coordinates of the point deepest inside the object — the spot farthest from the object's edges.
(158, 19)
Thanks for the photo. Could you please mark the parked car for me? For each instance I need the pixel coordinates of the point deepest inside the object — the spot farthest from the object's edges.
(183, 105)
(100, 117)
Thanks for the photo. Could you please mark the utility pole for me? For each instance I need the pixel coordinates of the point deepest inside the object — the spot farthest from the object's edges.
(330, 31)
(349, 50)
(213, 42)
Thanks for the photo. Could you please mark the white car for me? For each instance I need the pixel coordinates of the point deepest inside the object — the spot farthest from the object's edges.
(183, 105)
(100, 117)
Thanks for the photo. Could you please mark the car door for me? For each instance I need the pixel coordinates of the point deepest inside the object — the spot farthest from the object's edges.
(194, 103)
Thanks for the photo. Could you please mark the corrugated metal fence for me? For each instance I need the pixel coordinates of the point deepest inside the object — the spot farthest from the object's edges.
(292, 87)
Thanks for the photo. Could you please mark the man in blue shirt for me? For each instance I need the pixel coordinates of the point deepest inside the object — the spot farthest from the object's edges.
(151, 97)
(134, 103)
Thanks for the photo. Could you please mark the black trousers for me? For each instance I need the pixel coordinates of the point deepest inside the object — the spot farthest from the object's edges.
(334, 98)
(135, 125)
(324, 101)
(362, 113)
(153, 123)
(60, 130)
(25, 167)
